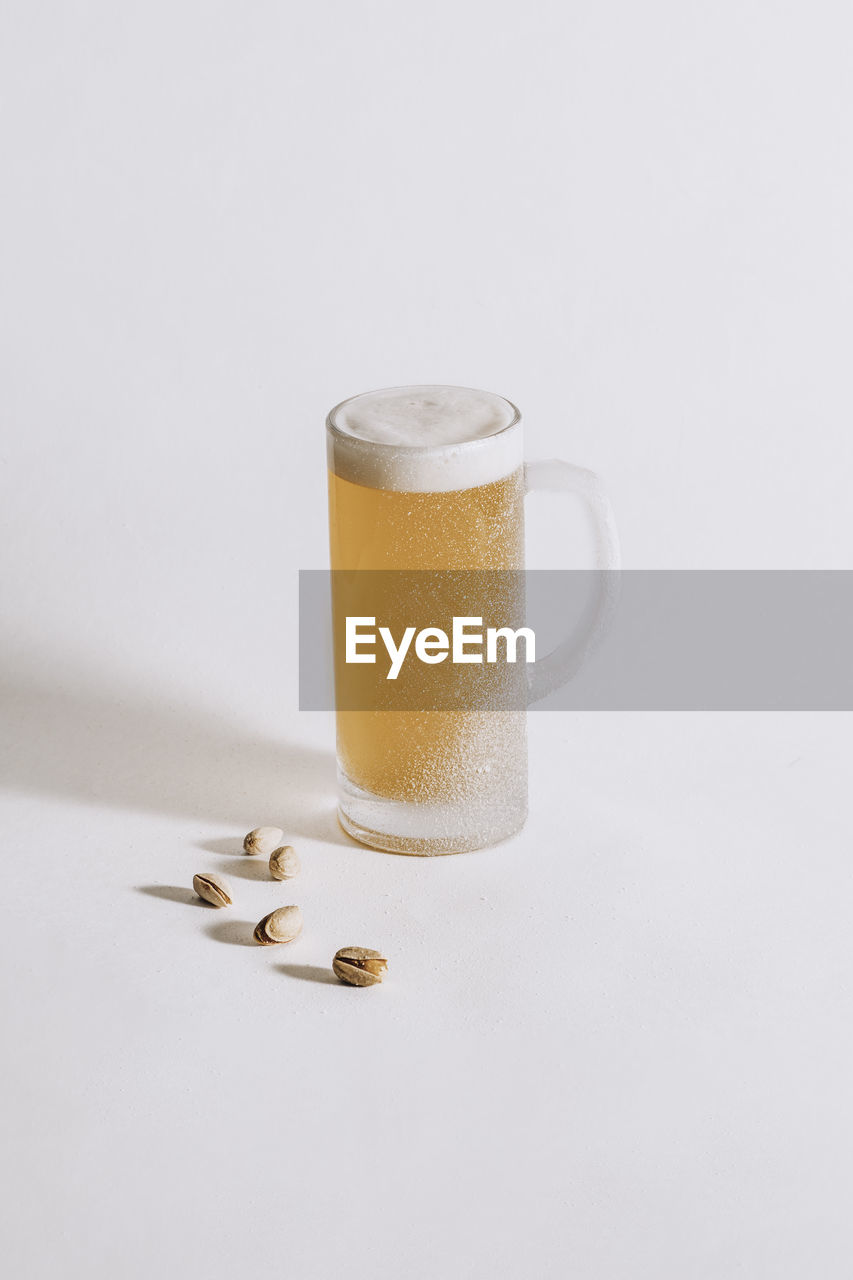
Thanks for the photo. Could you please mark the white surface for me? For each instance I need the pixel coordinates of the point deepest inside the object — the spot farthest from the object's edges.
(619, 1046)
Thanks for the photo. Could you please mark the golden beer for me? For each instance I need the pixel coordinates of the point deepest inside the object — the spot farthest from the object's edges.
(443, 780)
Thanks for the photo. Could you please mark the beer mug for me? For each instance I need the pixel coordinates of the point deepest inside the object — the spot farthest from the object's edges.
(432, 478)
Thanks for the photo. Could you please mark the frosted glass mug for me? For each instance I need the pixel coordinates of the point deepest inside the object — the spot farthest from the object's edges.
(441, 487)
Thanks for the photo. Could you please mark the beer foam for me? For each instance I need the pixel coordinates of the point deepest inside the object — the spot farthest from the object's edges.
(424, 439)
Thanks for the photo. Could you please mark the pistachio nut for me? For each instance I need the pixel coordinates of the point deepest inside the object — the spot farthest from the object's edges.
(282, 925)
(284, 863)
(213, 889)
(359, 966)
(263, 840)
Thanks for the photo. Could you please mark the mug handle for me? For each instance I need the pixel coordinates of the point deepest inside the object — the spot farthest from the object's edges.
(557, 667)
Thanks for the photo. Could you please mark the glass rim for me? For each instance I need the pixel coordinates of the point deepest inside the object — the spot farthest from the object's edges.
(341, 433)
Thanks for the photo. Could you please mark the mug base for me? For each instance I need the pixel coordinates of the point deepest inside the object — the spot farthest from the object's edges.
(424, 830)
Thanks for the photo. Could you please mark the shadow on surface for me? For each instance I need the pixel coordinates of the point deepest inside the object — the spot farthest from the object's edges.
(82, 734)
(237, 933)
(246, 868)
(309, 973)
(172, 893)
(229, 844)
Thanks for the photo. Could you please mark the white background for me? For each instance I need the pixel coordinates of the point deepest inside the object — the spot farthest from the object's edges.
(618, 1046)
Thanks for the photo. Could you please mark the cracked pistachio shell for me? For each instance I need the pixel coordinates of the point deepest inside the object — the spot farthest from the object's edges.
(281, 925)
(263, 840)
(213, 889)
(284, 863)
(359, 966)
